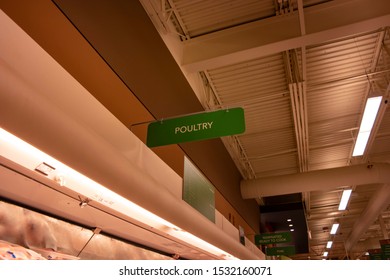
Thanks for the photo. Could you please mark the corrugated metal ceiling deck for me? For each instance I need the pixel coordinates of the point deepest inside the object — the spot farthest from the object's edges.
(259, 86)
(201, 17)
(333, 74)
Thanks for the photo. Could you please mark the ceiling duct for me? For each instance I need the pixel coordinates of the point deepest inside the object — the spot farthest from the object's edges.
(378, 203)
(319, 180)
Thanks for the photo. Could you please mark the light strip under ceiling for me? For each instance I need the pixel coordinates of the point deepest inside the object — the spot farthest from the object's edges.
(345, 199)
(334, 228)
(368, 120)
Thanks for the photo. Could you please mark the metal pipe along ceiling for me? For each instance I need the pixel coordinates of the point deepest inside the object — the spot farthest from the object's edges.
(319, 180)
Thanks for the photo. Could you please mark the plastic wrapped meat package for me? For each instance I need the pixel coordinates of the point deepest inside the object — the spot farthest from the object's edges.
(9, 251)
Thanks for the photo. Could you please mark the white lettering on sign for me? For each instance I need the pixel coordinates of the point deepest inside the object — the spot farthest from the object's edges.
(193, 127)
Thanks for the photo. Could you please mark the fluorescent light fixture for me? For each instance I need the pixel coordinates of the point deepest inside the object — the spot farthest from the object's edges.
(326, 254)
(292, 229)
(290, 225)
(334, 228)
(344, 199)
(30, 157)
(368, 120)
(27, 155)
(329, 244)
(200, 243)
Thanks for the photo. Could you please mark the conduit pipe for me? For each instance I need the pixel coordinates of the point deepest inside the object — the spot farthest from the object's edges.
(319, 180)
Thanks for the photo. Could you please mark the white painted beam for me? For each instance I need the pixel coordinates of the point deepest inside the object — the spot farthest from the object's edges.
(318, 180)
(278, 34)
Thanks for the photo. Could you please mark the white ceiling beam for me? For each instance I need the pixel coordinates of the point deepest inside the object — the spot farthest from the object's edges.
(278, 34)
(316, 180)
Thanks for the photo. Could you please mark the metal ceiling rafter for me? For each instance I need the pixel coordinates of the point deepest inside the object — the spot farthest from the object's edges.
(302, 25)
(178, 19)
(166, 14)
(283, 7)
(233, 144)
(297, 89)
(200, 55)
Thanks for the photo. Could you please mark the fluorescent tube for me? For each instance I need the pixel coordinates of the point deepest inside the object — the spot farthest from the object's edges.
(344, 199)
(329, 244)
(326, 254)
(334, 228)
(368, 120)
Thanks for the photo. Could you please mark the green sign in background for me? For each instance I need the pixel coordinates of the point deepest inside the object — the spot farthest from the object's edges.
(385, 246)
(198, 191)
(386, 251)
(201, 126)
(273, 238)
(280, 251)
(375, 254)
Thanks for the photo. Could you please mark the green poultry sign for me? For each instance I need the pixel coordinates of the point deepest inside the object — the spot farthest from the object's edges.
(195, 127)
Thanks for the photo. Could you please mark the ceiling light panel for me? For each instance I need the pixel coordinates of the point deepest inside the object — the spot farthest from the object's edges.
(367, 123)
(345, 199)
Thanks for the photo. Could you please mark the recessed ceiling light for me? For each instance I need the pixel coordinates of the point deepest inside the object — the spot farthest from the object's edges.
(344, 199)
(334, 228)
(368, 120)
